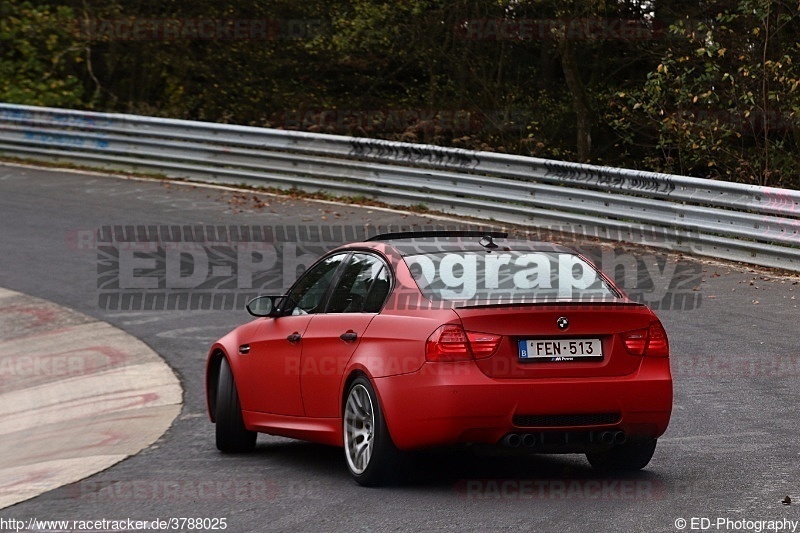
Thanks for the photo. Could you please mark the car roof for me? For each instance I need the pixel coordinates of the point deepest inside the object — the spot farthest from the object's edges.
(431, 242)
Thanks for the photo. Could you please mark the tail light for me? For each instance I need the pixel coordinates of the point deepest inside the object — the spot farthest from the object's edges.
(451, 343)
(483, 344)
(657, 344)
(635, 341)
(448, 343)
(651, 342)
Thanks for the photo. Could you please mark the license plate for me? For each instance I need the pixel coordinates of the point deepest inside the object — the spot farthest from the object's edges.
(560, 349)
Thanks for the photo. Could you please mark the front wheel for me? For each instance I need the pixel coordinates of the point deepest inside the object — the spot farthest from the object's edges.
(232, 435)
(624, 457)
(372, 457)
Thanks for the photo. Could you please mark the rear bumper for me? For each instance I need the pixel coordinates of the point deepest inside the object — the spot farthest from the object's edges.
(450, 403)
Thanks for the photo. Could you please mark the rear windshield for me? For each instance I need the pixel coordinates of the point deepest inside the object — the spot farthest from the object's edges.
(497, 277)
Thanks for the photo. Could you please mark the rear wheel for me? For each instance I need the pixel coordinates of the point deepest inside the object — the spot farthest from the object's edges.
(624, 457)
(232, 436)
(372, 457)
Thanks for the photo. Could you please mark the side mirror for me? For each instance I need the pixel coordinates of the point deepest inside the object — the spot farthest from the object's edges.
(264, 306)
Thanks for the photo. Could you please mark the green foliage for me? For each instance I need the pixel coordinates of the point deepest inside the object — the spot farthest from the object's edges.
(39, 56)
(723, 102)
(717, 94)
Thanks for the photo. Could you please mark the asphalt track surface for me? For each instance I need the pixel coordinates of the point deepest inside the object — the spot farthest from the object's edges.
(731, 451)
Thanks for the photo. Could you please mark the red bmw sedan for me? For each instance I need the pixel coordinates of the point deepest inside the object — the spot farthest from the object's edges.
(417, 340)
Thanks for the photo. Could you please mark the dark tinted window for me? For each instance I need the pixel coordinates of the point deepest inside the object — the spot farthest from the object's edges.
(378, 292)
(362, 287)
(307, 295)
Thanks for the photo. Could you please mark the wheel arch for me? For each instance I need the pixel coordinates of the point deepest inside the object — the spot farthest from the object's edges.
(212, 380)
(352, 375)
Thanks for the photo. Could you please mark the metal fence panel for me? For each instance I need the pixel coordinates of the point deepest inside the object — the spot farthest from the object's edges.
(759, 225)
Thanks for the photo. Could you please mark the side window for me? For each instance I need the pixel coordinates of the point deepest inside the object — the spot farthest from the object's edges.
(307, 295)
(378, 292)
(362, 287)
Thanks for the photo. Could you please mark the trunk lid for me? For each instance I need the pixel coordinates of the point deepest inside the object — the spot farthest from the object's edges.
(540, 324)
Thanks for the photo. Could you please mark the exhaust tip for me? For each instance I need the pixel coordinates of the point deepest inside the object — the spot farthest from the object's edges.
(512, 440)
(529, 440)
(607, 437)
(620, 437)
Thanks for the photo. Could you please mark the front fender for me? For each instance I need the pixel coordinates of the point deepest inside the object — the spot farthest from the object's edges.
(226, 347)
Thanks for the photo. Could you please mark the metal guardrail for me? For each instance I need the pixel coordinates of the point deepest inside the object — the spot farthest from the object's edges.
(758, 225)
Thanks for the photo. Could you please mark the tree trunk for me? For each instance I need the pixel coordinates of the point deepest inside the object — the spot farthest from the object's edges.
(580, 102)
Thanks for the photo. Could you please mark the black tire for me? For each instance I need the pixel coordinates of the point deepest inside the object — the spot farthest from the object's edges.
(371, 456)
(626, 457)
(232, 436)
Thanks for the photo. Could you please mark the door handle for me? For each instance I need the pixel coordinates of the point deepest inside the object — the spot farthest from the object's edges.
(294, 338)
(349, 336)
